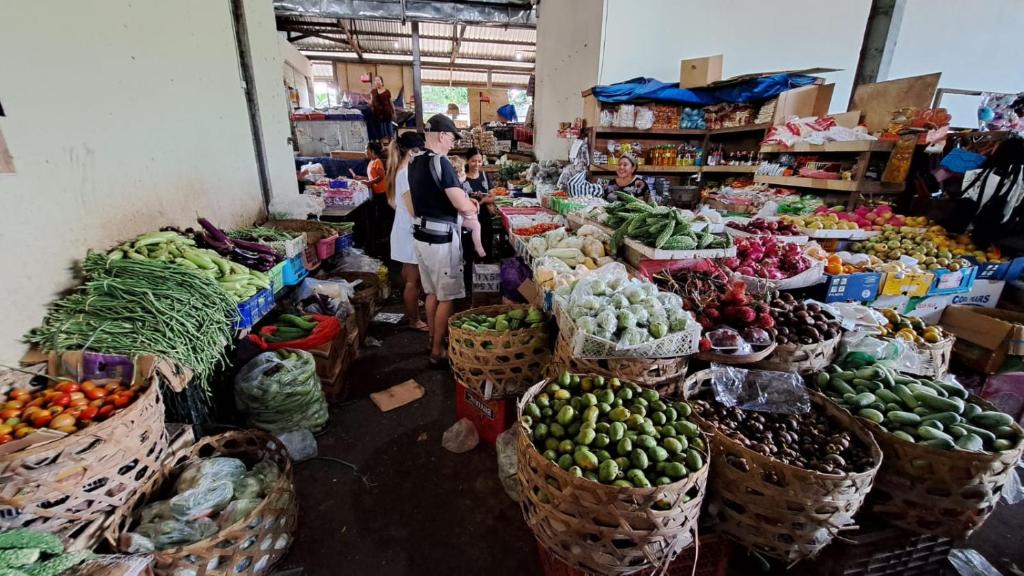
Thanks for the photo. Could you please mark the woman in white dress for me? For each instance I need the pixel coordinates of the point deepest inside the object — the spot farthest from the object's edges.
(401, 150)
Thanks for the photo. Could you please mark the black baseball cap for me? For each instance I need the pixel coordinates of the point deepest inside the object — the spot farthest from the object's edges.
(441, 123)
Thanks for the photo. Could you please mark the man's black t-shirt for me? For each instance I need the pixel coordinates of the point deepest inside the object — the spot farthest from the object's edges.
(429, 199)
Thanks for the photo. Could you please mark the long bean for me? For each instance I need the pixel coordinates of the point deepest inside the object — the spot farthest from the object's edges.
(136, 307)
(260, 234)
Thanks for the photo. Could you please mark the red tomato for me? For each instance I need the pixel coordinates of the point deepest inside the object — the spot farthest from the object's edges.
(79, 402)
(62, 421)
(87, 384)
(88, 414)
(122, 399)
(14, 405)
(74, 410)
(39, 402)
(105, 412)
(10, 413)
(5, 438)
(95, 393)
(41, 419)
(67, 387)
(76, 395)
(61, 400)
(112, 386)
(97, 403)
(20, 394)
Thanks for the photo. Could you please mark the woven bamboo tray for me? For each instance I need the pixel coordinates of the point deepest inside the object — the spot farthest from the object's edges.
(780, 510)
(947, 493)
(604, 529)
(735, 360)
(661, 374)
(799, 358)
(514, 361)
(251, 546)
(64, 485)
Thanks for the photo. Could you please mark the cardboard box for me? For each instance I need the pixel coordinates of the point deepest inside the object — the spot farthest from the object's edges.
(948, 282)
(984, 336)
(486, 278)
(489, 417)
(984, 293)
(812, 100)
(914, 285)
(857, 287)
(699, 72)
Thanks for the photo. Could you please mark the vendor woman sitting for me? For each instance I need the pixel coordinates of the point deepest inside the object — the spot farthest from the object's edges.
(626, 180)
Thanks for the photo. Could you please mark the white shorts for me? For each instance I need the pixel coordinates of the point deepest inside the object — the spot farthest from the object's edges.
(441, 268)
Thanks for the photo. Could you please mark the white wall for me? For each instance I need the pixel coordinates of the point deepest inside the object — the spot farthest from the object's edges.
(976, 46)
(122, 116)
(271, 96)
(568, 58)
(650, 37)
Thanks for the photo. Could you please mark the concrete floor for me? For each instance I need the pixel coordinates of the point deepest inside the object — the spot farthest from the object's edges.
(415, 508)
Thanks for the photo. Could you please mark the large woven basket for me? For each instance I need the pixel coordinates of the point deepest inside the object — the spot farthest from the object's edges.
(780, 510)
(64, 485)
(799, 358)
(946, 493)
(254, 544)
(512, 360)
(662, 374)
(604, 529)
(674, 345)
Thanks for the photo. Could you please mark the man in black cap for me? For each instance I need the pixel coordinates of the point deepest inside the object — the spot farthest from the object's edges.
(438, 202)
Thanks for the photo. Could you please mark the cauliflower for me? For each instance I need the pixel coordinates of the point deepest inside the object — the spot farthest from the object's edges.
(608, 321)
(618, 301)
(634, 337)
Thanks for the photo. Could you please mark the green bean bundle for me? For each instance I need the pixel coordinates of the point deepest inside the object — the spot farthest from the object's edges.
(135, 307)
(260, 234)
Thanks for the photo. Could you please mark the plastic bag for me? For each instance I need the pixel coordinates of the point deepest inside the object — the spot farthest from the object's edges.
(1013, 491)
(204, 500)
(461, 437)
(296, 207)
(172, 533)
(327, 329)
(268, 470)
(209, 470)
(607, 118)
(237, 510)
(280, 392)
(969, 562)
(505, 446)
(354, 260)
(248, 486)
(644, 119)
(301, 444)
(760, 390)
(326, 297)
(625, 116)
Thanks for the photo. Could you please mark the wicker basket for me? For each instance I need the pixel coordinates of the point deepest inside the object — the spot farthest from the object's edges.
(947, 493)
(662, 374)
(248, 547)
(735, 360)
(514, 360)
(604, 529)
(65, 485)
(780, 510)
(710, 557)
(801, 359)
(933, 359)
(880, 551)
(674, 345)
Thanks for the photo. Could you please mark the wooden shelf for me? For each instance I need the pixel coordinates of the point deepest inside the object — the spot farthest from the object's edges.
(746, 128)
(734, 169)
(652, 131)
(854, 146)
(649, 169)
(867, 187)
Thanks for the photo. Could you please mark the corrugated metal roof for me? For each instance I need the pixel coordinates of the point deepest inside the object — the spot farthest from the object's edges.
(518, 79)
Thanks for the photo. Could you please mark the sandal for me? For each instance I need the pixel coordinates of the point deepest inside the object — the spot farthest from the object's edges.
(419, 326)
(438, 362)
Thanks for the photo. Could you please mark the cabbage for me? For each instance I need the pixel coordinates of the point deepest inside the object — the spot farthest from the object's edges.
(598, 287)
(634, 337)
(677, 319)
(633, 293)
(626, 319)
(587, 324)
(670, 300)
(618, 301)
(640, 313)
(608, 321)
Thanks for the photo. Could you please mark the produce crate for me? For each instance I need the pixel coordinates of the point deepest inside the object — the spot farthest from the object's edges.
(326, 247)
(250, 546)
(276, 275)
(662, 374)
(565, 206)
(254, 309)
(344, 242)
(489, 417)
(290, 248)
(880, 551)
(294, 272)
(712, 559)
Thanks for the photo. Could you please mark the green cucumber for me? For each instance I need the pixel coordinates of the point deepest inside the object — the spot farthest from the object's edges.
(971, 410)
(863, 400)
(941, 404)
(947, 418)
(991, 419)
(939, 390)
(906, 396)
(866, 384)
(871, 414)
(887, 396)
(1003, 444)
(971, 443)
(934, 424)
(929, 433)
(954, 390)
(940, 443)
(903, 418)
(957, 432)
(986, 435)
(839, 385)
(904, 436)
(1005, 432)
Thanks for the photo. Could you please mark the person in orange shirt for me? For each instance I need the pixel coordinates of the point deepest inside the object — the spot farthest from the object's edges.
(383, 213)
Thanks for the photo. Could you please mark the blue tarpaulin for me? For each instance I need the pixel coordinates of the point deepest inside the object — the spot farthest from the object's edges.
(754, 90)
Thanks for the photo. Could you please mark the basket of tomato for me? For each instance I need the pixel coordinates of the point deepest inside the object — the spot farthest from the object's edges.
(75, 446)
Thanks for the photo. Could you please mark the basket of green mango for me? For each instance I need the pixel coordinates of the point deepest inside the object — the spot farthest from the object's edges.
(947, 453)
(611, 476)
(499, 351)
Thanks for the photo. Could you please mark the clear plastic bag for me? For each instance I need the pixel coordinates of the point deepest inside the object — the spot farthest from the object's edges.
(248, 486)
(237, 510)
(301, 444)
(279, 392)
(1013, 491)
(355, 260)
(461, 437)
(969, 562)
(644, 119)
(760, 390)
(607, 118)
(505, 446)
(326, 297)
(205, 499)
(210, 470)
